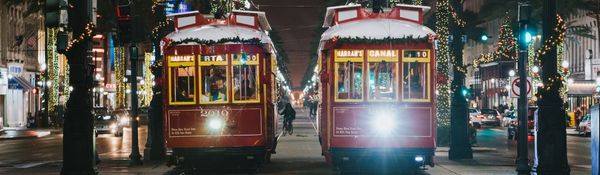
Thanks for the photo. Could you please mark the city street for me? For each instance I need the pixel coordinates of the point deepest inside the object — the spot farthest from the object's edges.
(296, 154)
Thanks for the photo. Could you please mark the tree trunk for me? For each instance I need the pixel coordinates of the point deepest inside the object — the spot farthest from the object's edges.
(460, 147)
(78, 142)
(552, 147)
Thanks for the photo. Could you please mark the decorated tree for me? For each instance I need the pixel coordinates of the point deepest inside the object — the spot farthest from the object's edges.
(507, 43)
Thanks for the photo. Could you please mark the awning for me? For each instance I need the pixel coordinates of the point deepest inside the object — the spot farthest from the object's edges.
(19, 83)
(586, 88)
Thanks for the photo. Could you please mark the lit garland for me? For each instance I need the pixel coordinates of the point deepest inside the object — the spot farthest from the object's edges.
(554, 41)
(387, 40)
(507, 47)
(53, 70)
(442, 61)
(66, 90)
(236, 39)
(120, 64)
(156, 31)
(87, 34)
(461, 23)
(146, 88)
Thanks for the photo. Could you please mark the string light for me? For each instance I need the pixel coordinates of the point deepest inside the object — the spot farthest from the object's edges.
(87, 34)
(442, 67)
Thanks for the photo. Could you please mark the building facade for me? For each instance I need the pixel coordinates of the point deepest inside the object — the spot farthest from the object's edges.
(20, 58)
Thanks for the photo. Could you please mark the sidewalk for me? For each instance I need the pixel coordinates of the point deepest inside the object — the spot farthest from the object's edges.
(18, 133)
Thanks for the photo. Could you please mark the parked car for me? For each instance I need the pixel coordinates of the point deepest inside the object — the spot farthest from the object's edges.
(490, 117)
(508, 118)
(474, 119)
(585, 126)
(109, 124)
(512, 127)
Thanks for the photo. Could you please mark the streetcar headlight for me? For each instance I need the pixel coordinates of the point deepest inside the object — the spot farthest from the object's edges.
(215, 124)
(384, 123)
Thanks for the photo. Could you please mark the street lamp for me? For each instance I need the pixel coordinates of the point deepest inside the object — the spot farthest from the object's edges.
(535, 69)
(565, 64)
(511, 73)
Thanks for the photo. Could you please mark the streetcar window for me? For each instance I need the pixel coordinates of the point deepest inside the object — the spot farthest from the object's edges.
(246, 87)
(414, 81)
(213, 79)
(182, 84)
(349, 81)
(213, 84)
(383, 75)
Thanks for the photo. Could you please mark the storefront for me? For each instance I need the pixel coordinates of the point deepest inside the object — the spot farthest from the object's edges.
(581, 95)
(20, 96)
(3, 91)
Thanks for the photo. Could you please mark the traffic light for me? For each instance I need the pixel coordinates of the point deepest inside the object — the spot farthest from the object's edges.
(55, 12)
(484, 37)
(123, 11)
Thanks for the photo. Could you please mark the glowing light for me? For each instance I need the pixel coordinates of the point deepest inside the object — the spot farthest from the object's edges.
(511, 73)
(535, 69)
(484, 37)
(570, 81)
(215, 124)
(419, 159)
(565, 64)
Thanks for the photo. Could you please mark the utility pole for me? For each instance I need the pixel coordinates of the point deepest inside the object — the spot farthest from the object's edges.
(78, 141)
(522, 155)
(552, 135)
(460, 146)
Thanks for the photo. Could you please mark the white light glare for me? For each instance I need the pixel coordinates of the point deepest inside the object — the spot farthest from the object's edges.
(419, 159)
(384, 123)
(535, 69)
(511, 73)
(565, 64)
(215, 124)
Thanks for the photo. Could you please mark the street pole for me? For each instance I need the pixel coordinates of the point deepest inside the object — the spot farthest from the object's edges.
(460, 146)
(552, 143)
(78, 140)
(135, 150)
(522, 155)
(155, 149)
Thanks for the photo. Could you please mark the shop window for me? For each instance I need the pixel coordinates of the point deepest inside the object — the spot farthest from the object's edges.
(383, 75)
(246, 86)
(213, 79)
(182, 80)
(415, 76)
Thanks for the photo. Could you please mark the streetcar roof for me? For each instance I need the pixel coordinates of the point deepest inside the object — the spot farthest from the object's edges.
(377, 28)
(216, 32)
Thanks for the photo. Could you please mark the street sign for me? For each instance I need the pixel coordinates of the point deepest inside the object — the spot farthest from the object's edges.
(515, 89)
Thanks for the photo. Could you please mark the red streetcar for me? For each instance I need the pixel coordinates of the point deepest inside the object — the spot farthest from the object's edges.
(219, 86)
(377, 84)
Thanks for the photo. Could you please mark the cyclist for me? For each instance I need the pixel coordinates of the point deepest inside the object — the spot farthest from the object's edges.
(289, 114)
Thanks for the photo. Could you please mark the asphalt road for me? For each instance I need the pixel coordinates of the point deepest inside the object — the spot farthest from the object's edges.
(296, 154)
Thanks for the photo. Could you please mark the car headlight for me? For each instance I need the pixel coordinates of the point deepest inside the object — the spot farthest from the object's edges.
(215, 124)
(384, 123)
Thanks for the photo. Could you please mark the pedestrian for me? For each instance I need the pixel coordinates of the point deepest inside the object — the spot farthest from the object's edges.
(577, 118)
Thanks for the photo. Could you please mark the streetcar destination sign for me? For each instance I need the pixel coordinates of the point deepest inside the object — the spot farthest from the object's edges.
(181, 58)
(382, 53)
(209, 58)
(349, 53)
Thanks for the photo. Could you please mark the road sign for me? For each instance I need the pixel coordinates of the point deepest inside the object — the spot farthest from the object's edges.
(515, 89)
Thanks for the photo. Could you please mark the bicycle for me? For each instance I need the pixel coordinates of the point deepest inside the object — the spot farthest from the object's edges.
(288, 128)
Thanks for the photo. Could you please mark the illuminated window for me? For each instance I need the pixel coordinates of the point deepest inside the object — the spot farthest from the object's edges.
(383, 74)
(246, 87)
(349, 75)
(213, 79)
(415, 76)
(182, 80)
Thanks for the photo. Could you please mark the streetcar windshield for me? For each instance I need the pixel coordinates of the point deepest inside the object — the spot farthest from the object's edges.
(182, 79)
(183, 86)
(415, 76)
(245, 78)
(383, 75)
(213, 79)
(349, 80)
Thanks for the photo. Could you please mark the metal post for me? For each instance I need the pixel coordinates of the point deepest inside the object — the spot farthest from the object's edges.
(135, 150)
(522, 155)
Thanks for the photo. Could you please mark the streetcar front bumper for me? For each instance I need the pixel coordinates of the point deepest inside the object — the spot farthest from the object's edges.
(415, 157)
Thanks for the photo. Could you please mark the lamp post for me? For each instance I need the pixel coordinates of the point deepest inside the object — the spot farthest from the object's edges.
(522, 155)
(135, 149)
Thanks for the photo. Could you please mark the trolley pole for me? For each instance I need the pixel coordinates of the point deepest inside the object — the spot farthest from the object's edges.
(135, 149)
(522, 155)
